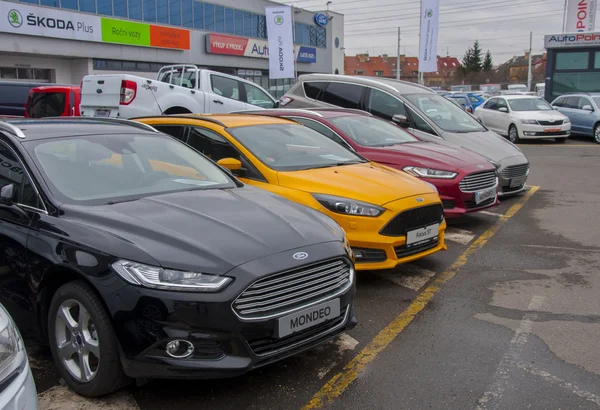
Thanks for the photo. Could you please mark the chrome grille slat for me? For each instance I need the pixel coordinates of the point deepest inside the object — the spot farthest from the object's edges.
(261, 284)
(515, 171)
(242, 301)
(294, 301)
(478, 181)
(284, 292)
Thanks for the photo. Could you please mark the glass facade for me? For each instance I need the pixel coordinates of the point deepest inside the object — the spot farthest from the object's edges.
(576, 71)
(191, 14)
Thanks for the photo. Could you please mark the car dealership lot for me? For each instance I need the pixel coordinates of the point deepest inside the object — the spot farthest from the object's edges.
(514, 323)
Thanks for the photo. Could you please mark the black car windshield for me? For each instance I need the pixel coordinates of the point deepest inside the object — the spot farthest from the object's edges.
(529, 104)
(293, 147)
(444, 114)
(103, 169)
(371, 131)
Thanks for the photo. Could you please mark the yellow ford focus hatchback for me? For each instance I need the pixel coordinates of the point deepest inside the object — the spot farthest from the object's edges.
(389, 216)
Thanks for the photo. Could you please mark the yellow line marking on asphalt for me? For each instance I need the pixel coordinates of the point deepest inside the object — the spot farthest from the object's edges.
(340, 382)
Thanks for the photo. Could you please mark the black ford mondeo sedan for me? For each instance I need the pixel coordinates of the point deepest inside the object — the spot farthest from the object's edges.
(134, 256)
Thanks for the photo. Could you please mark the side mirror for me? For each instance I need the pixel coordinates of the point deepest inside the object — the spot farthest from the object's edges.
(6, 194)
(401, 120)
(503, 109)
(231, 164)
(587, 108)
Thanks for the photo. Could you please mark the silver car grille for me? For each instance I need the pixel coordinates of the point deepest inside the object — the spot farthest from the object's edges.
(515, 171)
(287, 291)
(478, 181)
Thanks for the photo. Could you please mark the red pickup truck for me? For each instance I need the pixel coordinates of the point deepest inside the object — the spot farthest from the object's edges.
(53, 101)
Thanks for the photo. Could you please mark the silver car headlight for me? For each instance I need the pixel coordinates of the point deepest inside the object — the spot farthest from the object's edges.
(169, 279)
(12, 351)
(566, 120)
(533, 122)
(429, 173)
(348, 206)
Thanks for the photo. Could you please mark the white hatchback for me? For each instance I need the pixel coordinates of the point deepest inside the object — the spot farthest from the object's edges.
(523, 117)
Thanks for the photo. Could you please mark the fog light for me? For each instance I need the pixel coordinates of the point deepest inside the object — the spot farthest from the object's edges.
(529, 133)
(179, 349)
(358, 254)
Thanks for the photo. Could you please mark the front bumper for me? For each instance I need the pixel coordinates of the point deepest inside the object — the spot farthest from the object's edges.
(225, 344)
(20, 393)
(531, 131)
(512, 176)
(382, 251)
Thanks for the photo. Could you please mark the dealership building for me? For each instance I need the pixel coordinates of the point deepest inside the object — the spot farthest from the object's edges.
(63, 40)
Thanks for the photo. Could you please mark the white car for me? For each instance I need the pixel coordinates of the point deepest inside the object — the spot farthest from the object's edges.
(523, 117)
(18, 391)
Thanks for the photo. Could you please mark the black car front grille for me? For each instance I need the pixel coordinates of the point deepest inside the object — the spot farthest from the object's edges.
(282, 292)
(403, 251)
(515, 171)
(478, 181)
(553, 133)
(448, 204)
(414, 219)
(369, 255)
(507, 189)
(550, 123)
(473, 204)
(270, 345)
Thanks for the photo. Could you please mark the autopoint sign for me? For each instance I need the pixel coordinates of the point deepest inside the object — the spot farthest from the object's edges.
(581, 16)
(38, 21)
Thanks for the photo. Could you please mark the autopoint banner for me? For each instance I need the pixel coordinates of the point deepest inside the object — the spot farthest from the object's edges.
(46, 22)
(250, 47)
(581, 16)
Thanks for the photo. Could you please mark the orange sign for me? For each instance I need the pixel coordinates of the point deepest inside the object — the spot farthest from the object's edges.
(167, 37)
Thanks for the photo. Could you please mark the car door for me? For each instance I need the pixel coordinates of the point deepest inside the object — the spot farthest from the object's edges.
(487, 113)
(420, 127)
(503, 119)
(384, 105)
(256, 97)
(586, 117)
(571, 106)
(15, 221)
(225, 95)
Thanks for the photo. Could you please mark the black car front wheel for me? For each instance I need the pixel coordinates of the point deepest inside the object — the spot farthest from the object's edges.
(83, 342)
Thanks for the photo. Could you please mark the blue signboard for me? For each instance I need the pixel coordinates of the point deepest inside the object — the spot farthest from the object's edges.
(321, 19)
(307, 55)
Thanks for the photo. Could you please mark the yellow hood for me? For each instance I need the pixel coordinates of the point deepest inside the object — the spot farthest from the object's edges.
(368, 182)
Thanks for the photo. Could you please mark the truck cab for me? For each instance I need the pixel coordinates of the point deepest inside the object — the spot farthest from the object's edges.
(53, 101)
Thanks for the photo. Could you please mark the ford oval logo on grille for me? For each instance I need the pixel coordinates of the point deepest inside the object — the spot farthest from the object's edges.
(300, 256)
(420, 199)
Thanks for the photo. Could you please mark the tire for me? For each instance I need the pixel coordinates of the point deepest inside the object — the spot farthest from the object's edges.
(513, 134)
(597, 133)
(560, 140)
(85, 336)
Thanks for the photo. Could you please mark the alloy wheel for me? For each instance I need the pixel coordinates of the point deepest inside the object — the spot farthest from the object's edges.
(597, 134)
(77, 341)
(512, 135)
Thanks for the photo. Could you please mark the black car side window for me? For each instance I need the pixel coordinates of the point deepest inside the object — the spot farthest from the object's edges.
(343, 95)
(384, 105)
(491, 104)
(320, 128)
(13, 172)
(314, 89)
(216, 147)
(177, 131)
(560, 102)
(421, 124)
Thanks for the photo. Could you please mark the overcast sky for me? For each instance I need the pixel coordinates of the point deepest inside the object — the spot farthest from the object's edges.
(502, 26)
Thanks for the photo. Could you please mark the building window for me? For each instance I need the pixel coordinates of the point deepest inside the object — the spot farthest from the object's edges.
(247, 24)
(49, 3)
(576, 82)
(229, 21)
(219, 19)
(38, 74)
(117, 65)
(119, 7)
(198, 15)
(134, 9)
(68, 4)
(262, 26)
(239, 22)
(174, 12)
(89, 6)
(187, 13)
(149, 10)
(379, 73)
(359, 72)
(597, 59)
(209, 17)
(105, 7)
(572, 61)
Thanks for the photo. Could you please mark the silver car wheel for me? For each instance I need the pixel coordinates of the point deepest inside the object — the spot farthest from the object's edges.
(597, 134)
(77, 341)
(513, 135)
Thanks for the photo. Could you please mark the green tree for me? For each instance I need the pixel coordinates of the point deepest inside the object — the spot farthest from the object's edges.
(487, 62)
(476, 60)
(467, 59)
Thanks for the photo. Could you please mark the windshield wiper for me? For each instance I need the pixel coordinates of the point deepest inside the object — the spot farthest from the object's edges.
(120, 202)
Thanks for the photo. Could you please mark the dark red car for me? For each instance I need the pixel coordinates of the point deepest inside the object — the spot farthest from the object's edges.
(53, 101)
(466, 181)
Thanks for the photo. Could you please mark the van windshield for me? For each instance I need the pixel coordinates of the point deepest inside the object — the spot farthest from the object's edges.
(446, 115)
(46, 104)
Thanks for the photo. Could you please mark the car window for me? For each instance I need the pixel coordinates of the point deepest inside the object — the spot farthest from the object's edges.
(12, 172)
(384, 105)
(258, 97)
(313, 89)
(572, 102)
(217, 147)
(492, 104)
(322, 129)
(462, 100)
(105, 169)
(46, 104)
(372, 131)
(583, 101)
(529, 104)
(560, 102)
(473, 99)
(420, 124)
(225, 87)
(293, 147)
(444, 114)
(501, 104)
(343, 95)
(186, 79)
(176, 131)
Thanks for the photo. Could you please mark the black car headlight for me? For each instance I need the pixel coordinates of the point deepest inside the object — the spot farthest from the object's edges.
(169, 279)
(347, 206)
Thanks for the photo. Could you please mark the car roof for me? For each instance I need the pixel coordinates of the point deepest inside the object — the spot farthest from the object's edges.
(54, 88)
(44, 128)
(224, 120)
(402, 87)
(519, 96)
(321, 112)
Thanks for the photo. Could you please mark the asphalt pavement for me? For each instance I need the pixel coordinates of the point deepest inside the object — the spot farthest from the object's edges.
(507, 318)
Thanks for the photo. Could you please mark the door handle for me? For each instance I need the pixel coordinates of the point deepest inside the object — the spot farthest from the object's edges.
(218, 102)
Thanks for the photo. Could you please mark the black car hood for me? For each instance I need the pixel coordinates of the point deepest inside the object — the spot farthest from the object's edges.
(209, 230)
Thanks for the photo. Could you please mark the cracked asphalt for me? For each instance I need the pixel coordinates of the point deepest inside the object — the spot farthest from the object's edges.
(517, 327)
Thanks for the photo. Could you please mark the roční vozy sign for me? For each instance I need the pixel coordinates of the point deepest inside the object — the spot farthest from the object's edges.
(39, 21)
